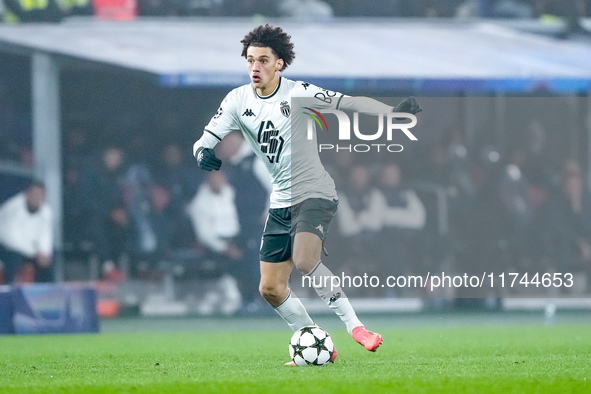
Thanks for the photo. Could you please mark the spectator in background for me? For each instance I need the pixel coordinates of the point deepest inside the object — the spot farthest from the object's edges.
(540, 165)
(572, 10)
(79, 7)
(514, 194)
(26, 233)
(108, 220)
(359, 219)
(163, 221)
(543, 174)
(571, 221)
(305, 9)
(340, 167)
(485, 244)
(15, 132)
(180, 183)
(447, 168)
(373, 8)
(461, 192)
(470, 9)
(201, 8)
(249, 177)
(36, 11)
(147, 206)
(206, 7)
(512, 9)
(76, 154)
(495, 8)
(14, 127)
(158, 7)
(250, 7)
(403, 216)
(215, 220)
(429, 8)
(145, 244)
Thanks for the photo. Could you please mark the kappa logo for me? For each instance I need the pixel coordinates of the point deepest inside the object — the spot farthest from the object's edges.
(218, 113)
(335, 297)
(248, 112)
(320, 228)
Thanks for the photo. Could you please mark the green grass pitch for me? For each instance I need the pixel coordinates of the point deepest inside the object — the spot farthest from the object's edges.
(443, 359)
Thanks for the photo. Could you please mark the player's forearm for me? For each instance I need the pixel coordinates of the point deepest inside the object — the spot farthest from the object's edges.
(207, 140)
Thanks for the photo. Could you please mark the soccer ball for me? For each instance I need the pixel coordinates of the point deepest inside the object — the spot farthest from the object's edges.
(311, 345)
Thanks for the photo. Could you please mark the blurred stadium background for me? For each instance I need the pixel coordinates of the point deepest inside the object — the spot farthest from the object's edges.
(105, 108)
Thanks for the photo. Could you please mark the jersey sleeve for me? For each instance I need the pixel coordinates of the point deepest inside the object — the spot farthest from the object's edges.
(221, 124)
(225, 119)
(324, 99)
(328, 99)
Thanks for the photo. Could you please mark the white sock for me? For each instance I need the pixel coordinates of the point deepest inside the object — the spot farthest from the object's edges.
(335, 298)
(294, 313)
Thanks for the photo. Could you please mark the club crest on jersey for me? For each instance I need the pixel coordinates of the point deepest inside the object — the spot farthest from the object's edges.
(285, 109)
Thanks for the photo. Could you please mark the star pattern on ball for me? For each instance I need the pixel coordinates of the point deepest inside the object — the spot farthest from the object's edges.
(297, 350)
(319, 344)
(307, 329)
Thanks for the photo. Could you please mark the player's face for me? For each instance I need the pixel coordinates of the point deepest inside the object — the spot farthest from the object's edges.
(263, 68)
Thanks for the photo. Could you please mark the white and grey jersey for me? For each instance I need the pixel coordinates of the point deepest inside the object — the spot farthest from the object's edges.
(271, 125)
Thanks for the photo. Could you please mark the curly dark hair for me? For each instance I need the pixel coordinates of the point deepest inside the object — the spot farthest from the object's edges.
(272, 37)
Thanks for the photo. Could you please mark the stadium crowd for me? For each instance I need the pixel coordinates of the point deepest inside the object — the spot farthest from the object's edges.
(514, 211)
(55, 10)
(134, 193)
(369, 8)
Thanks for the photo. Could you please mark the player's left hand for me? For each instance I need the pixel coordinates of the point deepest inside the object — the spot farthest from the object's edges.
(409, 105)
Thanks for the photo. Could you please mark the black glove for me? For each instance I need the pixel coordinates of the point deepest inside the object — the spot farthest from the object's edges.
(206, 159)
(408, 105)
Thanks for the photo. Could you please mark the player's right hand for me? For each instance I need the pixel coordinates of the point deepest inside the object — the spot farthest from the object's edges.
(206, 159)
(409, 105)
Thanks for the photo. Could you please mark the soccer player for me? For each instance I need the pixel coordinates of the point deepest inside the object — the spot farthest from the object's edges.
(304, 199)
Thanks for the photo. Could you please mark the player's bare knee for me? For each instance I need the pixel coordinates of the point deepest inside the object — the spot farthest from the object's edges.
(304, 266)
(272, 293)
